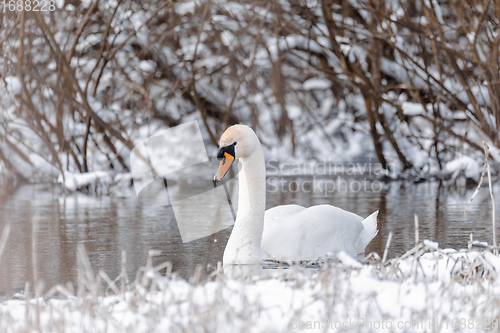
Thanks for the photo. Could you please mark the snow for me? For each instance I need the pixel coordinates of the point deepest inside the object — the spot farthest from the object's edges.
(412, 109)
(470, 167)
(313, 84)
(233, 58)
(13, 84)
(185, 7)
(440, 291)
(147, 65)
(74, 181)
(431, 244)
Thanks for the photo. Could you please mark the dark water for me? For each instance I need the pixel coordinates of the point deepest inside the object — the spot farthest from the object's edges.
(109, 224)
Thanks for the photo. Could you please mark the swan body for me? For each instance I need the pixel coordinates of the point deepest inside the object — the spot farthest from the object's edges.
(315, 232)
(287, 232)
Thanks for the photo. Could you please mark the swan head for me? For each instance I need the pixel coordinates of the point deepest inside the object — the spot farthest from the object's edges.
(238, 141)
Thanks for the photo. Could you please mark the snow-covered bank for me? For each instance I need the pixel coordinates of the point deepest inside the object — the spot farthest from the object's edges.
(101, 182)
(442, 290)
(310, 94)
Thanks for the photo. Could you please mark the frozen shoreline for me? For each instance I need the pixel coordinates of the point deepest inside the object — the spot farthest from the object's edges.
(443, 290)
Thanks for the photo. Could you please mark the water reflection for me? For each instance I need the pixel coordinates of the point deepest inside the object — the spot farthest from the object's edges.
(108, 225)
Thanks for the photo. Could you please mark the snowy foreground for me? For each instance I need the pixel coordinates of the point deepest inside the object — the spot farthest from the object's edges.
(444, 290)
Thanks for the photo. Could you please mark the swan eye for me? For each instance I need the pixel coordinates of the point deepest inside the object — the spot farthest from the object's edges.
(226, 152)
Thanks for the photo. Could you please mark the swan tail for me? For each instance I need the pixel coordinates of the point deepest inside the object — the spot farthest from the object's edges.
(369, 231)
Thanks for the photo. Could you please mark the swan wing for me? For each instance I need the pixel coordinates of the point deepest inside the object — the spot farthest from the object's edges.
(311, 233)
(277, 213)
(368, 233)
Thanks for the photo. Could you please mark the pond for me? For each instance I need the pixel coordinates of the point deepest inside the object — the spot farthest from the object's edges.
(108, 225)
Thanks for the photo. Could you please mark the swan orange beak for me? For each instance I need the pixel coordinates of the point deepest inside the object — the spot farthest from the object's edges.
(224, 165)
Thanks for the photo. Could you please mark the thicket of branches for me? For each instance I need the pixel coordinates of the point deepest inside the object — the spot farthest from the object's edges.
(79, 83)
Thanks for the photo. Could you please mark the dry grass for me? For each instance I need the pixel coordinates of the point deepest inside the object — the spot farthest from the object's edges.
(426, 286)
(80, 94)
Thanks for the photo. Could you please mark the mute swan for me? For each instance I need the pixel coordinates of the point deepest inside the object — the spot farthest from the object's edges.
(288, 232)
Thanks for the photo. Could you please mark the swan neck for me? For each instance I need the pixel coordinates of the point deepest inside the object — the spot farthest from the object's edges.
(245, 239)
(252, 187)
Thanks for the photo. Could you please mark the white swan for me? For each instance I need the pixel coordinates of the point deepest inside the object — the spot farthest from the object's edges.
(288, 232)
